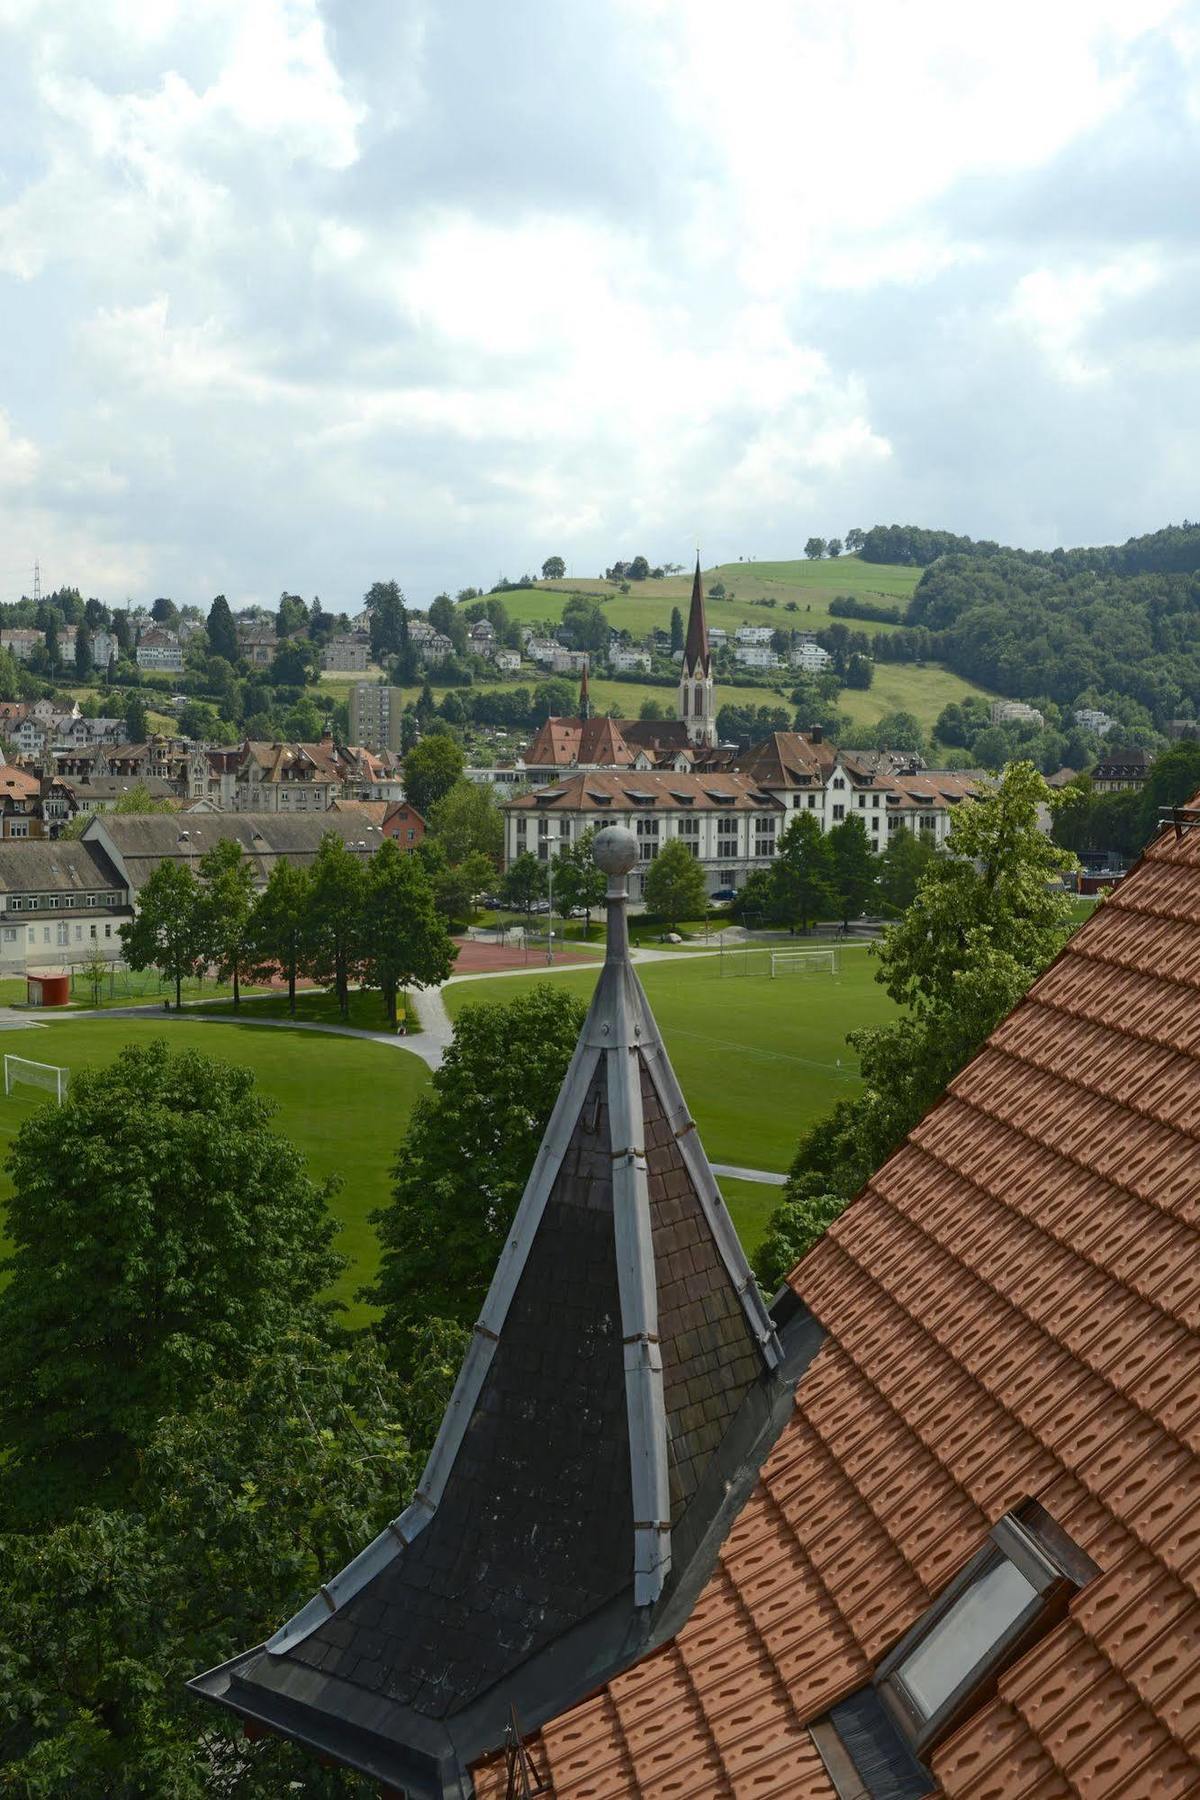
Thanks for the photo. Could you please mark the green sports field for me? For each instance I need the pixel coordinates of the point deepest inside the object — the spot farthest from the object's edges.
(343, 1101)
(759, 1060)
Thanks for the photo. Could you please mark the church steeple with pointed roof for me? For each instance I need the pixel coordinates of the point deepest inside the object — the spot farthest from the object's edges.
(623, 1375)
(697, 695)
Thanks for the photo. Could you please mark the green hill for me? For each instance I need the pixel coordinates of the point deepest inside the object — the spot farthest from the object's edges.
(781, 594)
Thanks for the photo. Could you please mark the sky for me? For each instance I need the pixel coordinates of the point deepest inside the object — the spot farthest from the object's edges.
(304, 294)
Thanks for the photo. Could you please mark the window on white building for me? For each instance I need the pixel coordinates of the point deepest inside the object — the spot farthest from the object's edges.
(839, 811)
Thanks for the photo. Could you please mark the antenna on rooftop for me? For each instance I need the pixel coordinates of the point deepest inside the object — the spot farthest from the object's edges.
(525, 1779)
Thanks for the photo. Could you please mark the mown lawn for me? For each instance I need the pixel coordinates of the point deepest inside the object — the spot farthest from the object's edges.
(344, 1102)
(759, 1060)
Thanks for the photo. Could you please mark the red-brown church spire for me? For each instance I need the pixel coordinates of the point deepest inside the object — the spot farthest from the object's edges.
(696, 657)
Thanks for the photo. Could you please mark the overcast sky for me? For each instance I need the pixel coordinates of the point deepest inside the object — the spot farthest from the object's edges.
(304, 293)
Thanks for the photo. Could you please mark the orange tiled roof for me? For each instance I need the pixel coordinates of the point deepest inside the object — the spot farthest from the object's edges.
(1012, 1308)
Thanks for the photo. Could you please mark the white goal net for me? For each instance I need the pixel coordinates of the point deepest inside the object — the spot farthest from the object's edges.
(20, 1069)
(805, 962)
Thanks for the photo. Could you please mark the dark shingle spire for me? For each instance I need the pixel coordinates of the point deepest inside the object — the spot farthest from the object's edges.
(696, 658)
(621, 1338)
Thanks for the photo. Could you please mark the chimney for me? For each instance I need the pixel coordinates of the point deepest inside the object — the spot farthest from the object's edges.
(815, 734)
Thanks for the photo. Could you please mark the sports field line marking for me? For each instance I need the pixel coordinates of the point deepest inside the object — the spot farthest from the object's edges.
(805, 1062)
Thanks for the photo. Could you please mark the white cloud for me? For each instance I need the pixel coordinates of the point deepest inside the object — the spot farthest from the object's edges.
(309, 290)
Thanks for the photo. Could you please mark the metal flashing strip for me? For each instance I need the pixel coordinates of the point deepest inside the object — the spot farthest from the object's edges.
(728, 1243)
(645, 1403)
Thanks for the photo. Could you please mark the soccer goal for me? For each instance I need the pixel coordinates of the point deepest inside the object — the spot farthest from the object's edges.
(36, 1074)
(806, 962)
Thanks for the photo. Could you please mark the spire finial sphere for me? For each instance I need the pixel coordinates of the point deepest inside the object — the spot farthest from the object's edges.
(615, 850)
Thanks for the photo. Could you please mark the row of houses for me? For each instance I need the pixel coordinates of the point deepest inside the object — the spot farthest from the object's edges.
(61, 900)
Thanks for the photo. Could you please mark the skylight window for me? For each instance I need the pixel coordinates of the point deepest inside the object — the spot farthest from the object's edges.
(1010, 1594)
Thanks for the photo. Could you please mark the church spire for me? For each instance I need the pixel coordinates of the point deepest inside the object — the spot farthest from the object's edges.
(622, 1364)
(696, 657)
(697, 696)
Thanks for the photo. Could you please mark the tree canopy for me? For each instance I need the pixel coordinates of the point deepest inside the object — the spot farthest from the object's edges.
(431, 769)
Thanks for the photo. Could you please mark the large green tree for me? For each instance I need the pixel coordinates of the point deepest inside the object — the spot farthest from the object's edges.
(674, 885)
(333, 944)
(853, 868)
(987, 918)
(431, 769)
(83, 653)
(161, 1232)
(468, 822)
(226, 906)
(1174, 780)
(166, 932)
(801, 875)
(466, 1158)
(405, 943)
(222, 632)
(901, 867)
(137, 726)
(579, 886)
(524, 882)
(281, 921)
(239, 1507)
(388, 619)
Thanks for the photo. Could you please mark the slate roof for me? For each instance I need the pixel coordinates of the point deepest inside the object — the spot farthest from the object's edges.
(621, 1387)
(139, 842)
(55, 866)
(1012, 1308)
(696, 656)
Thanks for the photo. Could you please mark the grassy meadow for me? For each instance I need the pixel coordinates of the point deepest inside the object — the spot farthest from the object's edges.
(759, 1060)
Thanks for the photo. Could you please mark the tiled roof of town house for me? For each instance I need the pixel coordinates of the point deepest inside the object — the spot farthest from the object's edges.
(787, 759)
(602, 790)
(620, 1389)
(1012, 1309)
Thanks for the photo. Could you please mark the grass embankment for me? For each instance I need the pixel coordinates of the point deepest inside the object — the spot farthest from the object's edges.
(318, 1006)
(344, 1102)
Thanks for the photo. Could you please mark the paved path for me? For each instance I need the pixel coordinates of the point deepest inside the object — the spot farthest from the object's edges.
(767, 1176)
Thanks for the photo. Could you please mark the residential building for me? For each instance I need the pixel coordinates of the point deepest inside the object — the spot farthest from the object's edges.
(1122, 771)
(58, 902)
(394, 819)
(95, 794)
(21, 641)
(629, 660)
(103, 646)
(754, 634)
(568, 662)
(347, 652)
(12, 712)
(887, 790)
(923, 1526)
(275, 777)
(755, 656)
(810, 658)
(435, 648)
(160, 650)
(541, 650)
(1092, 719)
(257, 645)
(1015, 712)
(507, 661)
(21, 812)
(136, 843)
(718, 637)
(375, 715)
(481, 634)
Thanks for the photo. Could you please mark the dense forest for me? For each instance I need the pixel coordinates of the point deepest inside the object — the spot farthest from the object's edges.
(1103, 626)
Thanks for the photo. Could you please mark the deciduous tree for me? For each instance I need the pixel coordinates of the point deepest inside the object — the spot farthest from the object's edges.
(553, 569)
(524, 882)
(431, 769)
(161, 1232)
(405, 943)
(801, 875)
(333, 943)
(853, 867)
(281, 921)
(468, 822)
(165, 933)
(674, 884)
(466, 1158)
(226, 907)
(578, 884)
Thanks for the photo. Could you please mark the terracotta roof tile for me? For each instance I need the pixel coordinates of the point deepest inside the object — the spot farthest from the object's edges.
(1012, 1308)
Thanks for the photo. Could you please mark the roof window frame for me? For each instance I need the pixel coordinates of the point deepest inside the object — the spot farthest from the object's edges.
(1054, 1567)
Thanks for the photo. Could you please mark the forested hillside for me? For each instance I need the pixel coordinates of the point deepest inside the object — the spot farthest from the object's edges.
(1080, 626)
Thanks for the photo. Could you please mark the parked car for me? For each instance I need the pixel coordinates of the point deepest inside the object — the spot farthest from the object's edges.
(724, 894)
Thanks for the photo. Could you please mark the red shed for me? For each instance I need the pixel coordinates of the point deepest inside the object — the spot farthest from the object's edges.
(47, 987)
